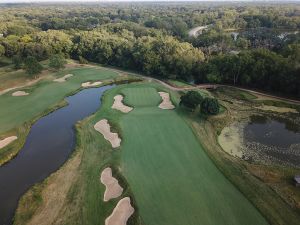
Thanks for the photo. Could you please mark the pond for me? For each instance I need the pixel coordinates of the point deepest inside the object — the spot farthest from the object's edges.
(273, 139)
(48, 145)
(272, 132)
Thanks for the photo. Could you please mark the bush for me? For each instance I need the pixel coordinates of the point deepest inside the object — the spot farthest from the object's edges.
(57, 61)
(17, 61)
(32, 66)
(191, 99)
(83, 60)
(210, 106)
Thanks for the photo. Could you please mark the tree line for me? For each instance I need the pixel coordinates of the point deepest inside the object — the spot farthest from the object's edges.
(132, 38)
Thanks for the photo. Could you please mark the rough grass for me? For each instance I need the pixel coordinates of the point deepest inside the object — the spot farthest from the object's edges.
(173, 180)
(255, 188)
(178, 83)
(236, 93)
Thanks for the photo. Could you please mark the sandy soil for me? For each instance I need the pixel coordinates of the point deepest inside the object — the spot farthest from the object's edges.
(118, 104)
(55, 194)
(277, 109)
(64, 78)
(7, 141)
(121, 213)
(19, 93)
(231, 141)
(104, 128)
(113, 189)
(166, 102)
(91, 84)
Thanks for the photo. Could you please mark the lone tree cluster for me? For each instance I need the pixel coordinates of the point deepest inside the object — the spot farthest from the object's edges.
(193, 99)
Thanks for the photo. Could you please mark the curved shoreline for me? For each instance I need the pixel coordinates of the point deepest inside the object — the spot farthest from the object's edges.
(52, 134)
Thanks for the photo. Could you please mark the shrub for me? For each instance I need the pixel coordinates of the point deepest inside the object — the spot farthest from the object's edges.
(32, 66)
(83, 60)
(210, 106)
(57, 61)
(191, 99)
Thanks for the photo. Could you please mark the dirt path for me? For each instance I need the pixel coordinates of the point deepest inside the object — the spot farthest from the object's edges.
(29, 83)
(206, 86)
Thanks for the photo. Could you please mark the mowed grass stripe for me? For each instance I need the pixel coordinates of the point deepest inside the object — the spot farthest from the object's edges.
(173, 180)
(15, 111)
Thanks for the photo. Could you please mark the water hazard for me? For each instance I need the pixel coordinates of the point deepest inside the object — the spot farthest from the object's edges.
(47, 147)
(274, 138)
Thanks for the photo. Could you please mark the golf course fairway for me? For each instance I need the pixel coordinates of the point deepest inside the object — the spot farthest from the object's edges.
(171, 177)
(15, 111)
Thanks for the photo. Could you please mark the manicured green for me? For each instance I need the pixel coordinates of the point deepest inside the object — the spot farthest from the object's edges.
(14, 111)
(171, 177)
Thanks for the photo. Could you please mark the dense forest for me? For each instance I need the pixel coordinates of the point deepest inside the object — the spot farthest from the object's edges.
(249, 45)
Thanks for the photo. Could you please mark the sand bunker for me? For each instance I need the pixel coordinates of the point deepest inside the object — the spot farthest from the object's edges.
(231, 140)
(166, 102)
(277, 109)
(121, 213)
(113, 189)
(104, 128)
(64, 78)
(7, 141)
(19, 93)
(118, 104)
(91, 84)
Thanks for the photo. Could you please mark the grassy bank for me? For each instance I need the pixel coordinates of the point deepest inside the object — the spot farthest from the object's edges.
(17, 114)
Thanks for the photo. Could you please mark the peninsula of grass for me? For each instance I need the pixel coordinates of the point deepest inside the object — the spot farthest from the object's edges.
(17, 114)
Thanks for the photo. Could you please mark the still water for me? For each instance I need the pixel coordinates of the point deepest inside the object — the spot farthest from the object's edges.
(47, 147)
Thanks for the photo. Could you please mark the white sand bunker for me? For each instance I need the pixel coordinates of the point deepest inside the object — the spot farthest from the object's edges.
(113, 189)
(118, 104)
(166, 102)
(104, 128)
(91, 84)
(231, 140)
(19, 93)
(7, 141)
(64, 78)
(121, 213)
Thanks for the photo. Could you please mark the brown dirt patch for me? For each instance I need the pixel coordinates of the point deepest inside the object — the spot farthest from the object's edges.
(121, 213)
(54, 195)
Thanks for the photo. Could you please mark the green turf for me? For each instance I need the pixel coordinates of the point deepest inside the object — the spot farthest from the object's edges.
(178, 83)
(171, 177)
(14, 111)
